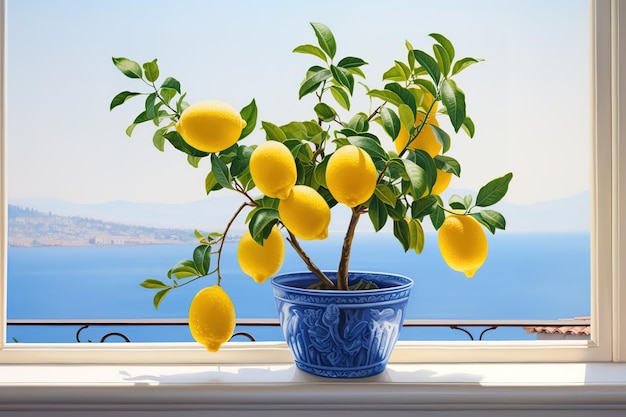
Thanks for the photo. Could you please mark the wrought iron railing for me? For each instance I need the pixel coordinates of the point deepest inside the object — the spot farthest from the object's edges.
(469, 327)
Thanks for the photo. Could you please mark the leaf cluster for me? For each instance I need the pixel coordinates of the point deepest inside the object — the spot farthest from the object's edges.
(414, 88)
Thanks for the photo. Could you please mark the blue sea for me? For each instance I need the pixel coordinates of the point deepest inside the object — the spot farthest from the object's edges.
(527, 276)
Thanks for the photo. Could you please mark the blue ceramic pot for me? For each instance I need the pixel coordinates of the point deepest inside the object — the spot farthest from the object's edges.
(341, 334)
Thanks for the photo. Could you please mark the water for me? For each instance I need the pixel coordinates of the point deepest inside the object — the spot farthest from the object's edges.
(526, 276)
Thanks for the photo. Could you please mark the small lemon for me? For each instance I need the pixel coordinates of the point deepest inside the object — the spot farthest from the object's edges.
(261, 261)
(463, 243)
(212, 317)
(426, 139)
(305, 213)
(441, 183)
(351, 175)
(273, 169)
(210, 125)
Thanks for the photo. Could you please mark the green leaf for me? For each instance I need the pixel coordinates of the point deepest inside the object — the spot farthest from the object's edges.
(150, 110)
(184, 271)
(403, 69)
(141, 118)
(448, 164)
(429, 64)
(407, 117)
(416, 235)
(121, 98)
(129, 68)
(423, 207)
(437, 217)
(167, 94)
(325, 39)
(211, 184)
(386, 95)
(158, 139)
(172, 83)
(394, 74)
(340, 96)
(129, 129)
(311, 50)
(468, 127)
(179, 143)
(390, 121)
(443, 60)
(221, 173)
(158, 297)
(416, 175)
(319, 172)
(325, 112)
(461, 64)
(351, 62)
(492, 219)
(249, 113)
(457, 202)
(454, 100)
(151, 70)
(426, 85)
(424, 160)
(445, 43)
(405, 95)
(493, 191)
(359, 123)
(202, 258)
(369, 145)
(402, 233)
(273, 132)
(343, 77)
(377, 213)
(441, 136)
(261, 223)
(153, 283)
(314, 77)
(241, 162)
(385, 193)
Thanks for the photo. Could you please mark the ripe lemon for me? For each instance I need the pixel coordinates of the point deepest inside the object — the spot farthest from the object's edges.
(441, 183)
(273, 169)
(351, 175)
(463, 243)
(261, 261)
(212, 317)
(210, 125)
(426, 139)
(305, 213)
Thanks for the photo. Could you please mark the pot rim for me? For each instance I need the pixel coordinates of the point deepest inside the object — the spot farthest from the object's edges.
(407, 285)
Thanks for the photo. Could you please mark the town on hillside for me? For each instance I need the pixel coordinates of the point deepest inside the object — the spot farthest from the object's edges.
(28, 227)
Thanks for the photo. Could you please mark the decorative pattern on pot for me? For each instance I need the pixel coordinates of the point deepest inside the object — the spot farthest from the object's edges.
(341, 334)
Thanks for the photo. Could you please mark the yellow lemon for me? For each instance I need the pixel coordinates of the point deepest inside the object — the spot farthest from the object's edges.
(441, 183)
(210, 125)
(351, 175)
(261, 261)
(463, 243)
(212, 317)
(273, 169)
(426, 139)
(305, 213)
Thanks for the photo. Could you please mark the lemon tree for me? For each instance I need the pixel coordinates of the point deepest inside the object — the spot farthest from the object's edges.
(295, 172)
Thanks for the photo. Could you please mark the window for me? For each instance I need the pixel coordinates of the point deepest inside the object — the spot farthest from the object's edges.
(605, 238)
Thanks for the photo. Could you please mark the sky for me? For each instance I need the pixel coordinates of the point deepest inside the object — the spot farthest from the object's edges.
(529, 99)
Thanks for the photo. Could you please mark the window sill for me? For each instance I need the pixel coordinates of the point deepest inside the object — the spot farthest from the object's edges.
(433, 389)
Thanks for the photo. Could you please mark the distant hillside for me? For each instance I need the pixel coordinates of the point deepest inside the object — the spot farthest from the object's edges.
(30, 227)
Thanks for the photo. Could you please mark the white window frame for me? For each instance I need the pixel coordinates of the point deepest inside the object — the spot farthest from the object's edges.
(608, 232)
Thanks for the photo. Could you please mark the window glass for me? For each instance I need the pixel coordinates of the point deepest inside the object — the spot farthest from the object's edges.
(92, 212)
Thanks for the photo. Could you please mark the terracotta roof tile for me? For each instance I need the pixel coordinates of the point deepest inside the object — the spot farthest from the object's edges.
(574, 330)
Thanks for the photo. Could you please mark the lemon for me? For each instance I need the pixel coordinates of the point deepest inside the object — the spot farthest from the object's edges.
(428, 101)
(351, 175)
(212, 317)
(273, 169)
(441, 183)
(426, 140)
(261, 261)
(463, 243)
(210, 125)
(305, 213)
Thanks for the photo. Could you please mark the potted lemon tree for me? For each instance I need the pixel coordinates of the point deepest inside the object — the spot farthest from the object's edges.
(339, 323)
